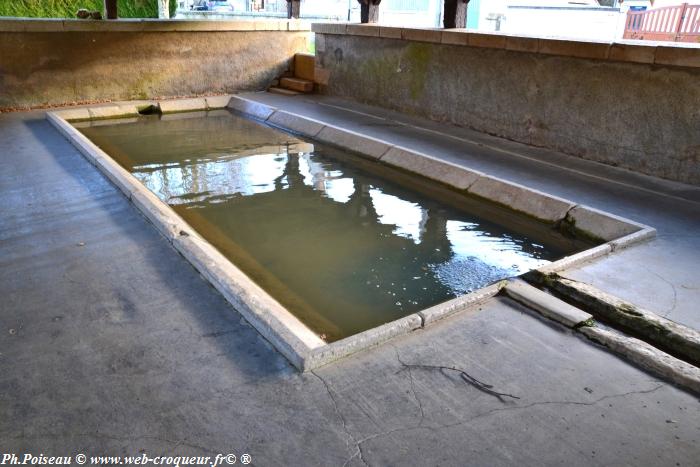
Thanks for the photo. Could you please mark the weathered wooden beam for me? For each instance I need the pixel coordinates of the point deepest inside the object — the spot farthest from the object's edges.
(293, 9)
(369, 11)
(111, 9)
(455, 14)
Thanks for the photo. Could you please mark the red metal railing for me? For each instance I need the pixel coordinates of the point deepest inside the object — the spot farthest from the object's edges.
(672, 23)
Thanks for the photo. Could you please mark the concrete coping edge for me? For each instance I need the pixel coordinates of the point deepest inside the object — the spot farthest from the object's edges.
(122, 110)
(631, 51)
(148, 25)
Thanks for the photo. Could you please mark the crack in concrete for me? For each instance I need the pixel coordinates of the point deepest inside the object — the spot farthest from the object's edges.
(502, 409)
(222, 333)
(358, 448)
(413, 387)
(673, 288)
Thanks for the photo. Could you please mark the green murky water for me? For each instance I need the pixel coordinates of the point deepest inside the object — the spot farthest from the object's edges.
(345, 244)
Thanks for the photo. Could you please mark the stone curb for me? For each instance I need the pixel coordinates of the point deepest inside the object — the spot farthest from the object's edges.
(646, 356)
(576, 259)
(628, 240)
(362, 341)
(460, 304)
(545, 304)
(282, 329)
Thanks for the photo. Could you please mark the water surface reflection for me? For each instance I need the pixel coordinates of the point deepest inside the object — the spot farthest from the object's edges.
(343, 248)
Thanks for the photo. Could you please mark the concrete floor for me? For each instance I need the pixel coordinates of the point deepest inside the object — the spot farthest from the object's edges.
(112, 344)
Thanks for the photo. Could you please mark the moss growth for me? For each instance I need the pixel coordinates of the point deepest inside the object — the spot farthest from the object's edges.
(628, 309)
(567, 227)
(418, 57)
(589, 323)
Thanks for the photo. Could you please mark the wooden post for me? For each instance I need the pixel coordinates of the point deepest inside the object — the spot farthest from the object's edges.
(293, 9)
(455, 14)
(680, 22)
(369, 11)
(111, 9)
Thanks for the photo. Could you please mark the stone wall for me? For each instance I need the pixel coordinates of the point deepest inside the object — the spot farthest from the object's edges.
(53, 62)
(628, 105)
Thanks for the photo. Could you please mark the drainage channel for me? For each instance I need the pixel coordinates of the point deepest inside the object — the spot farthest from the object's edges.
(653, 343)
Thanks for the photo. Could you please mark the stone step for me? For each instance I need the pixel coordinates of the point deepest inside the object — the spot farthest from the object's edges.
(284, 92)
(297, 84)
(304, 65)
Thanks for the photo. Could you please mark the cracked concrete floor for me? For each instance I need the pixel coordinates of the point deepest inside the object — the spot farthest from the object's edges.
(111, 343)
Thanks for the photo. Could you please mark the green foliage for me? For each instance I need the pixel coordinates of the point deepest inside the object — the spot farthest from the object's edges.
(67, 8)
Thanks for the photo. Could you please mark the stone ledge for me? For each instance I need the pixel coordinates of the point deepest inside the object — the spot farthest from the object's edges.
(146, 25)
(649, 52)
